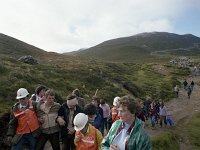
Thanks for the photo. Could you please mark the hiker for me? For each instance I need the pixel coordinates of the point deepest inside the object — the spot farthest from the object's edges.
(192, 85)
(81, 101)
(163, 114)
(39, 93)
(23, 126)
(96, 102)
(114, 110)
(176, 90)
(94, 117)
(87, 137)
(66, 115)
(106, 113)
(185, 84)
(127, 132)
(47, 114)
(140, 110)
(189, 92)
(146, 105)
(152, 114)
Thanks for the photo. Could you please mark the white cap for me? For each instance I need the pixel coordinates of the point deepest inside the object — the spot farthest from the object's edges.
(116, 101)
(80, 121)
(21, 93)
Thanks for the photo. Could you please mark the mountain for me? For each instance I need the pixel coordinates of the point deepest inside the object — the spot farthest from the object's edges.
(140, 46)
(11, 47)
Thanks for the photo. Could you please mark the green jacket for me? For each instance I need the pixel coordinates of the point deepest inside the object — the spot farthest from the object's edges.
(139, 139)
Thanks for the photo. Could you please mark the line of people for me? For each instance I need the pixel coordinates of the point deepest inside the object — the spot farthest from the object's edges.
(77, 125)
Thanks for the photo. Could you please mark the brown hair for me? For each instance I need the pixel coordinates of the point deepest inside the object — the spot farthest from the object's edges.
(129, 102)
(50, 92)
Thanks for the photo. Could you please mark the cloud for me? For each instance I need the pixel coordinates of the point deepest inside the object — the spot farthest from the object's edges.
(66, 25)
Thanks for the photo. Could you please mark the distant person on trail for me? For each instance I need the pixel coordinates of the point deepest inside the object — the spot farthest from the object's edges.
(127, 133)
(24, 125)
(176, 90)
(152, 114)
(87, 137)
(47, 114)
(163, 114)
(192, 85)
(39, 93)
(189, 92)
(146, 104)
(185, 84)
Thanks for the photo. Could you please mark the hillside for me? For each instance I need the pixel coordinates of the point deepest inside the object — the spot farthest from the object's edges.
(11, 47)
(138, 48)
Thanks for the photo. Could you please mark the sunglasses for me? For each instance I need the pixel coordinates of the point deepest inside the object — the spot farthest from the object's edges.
(22, 99)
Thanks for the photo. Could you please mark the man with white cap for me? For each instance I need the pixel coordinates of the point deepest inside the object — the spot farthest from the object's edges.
(87, 136)
(23, 126)
(65, 118)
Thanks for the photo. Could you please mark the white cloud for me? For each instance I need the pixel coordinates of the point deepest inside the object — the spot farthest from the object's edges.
(66, 25)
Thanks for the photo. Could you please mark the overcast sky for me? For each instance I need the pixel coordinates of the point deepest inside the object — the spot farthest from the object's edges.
(68, 25)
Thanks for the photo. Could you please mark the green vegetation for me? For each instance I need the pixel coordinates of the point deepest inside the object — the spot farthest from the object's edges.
(165, 141)
(111, 79)
(192, 129)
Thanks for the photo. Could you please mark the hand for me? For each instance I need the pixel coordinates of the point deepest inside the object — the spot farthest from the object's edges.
(61, 121)
(77, 138)
(114, 147)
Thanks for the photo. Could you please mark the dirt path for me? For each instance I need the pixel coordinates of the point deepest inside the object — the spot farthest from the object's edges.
(181, 109)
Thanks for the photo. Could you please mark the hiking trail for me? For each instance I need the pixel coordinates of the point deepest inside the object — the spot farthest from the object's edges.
(181, 110)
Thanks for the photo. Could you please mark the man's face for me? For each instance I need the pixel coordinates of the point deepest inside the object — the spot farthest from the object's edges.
(94, 102)
(24, 101)
(71, 107)
(91, 118)
(50, 98)
(124, 114)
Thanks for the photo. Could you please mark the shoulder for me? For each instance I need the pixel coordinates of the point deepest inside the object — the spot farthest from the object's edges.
(15, 107)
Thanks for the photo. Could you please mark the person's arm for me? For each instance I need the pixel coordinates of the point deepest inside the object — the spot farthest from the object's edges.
(12, 125)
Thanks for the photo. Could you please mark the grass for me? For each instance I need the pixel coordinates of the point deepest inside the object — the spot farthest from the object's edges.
(192, 129)
(165, 141)
(63, 75)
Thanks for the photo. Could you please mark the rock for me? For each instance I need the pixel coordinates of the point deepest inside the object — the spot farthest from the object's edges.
(28, 59)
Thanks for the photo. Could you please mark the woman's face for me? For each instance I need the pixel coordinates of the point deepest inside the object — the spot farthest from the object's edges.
(124, 114)
(42, 92)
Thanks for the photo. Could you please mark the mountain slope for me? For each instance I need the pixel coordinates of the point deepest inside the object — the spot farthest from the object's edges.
(11, 47)
(139, 46)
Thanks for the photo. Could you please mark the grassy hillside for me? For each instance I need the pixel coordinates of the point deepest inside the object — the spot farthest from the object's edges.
(111, 79)
(65, 73)
(138, 48)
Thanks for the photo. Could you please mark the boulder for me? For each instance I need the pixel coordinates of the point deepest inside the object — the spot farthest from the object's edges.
(28, 59)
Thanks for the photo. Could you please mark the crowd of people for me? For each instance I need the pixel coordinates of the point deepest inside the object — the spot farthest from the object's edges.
(74, 124)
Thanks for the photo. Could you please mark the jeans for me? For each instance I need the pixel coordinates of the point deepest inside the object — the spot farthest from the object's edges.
(26, 138)
(68, 142)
